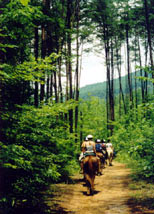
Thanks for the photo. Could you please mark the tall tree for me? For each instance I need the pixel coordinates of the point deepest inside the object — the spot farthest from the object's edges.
(77, 65)
(69, 56)
(148, 28)
(36, 51)
(43, 49)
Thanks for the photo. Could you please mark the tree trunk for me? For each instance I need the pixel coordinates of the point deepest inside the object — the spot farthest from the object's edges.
(136, 98)
(111, 93)
(36, 50)
(145, 73)
(128, 67)
(55, 86)
(43, 54)
(121, 94)
(69, 51)
(77, 68)
(51, 86)
(141, 72)
(59, 81)
(48, 88)
(148, 32)
(108, 87)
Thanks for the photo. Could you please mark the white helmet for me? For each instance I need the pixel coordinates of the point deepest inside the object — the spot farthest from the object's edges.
(90, 136)
(98, 141)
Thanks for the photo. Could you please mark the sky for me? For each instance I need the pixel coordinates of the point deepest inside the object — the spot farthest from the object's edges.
(93, 70)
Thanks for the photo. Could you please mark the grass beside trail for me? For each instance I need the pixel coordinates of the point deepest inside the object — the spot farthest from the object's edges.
(142, 194)
(142, 191)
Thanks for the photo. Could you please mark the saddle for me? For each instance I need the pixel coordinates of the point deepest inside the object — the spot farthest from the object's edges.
(89, 154)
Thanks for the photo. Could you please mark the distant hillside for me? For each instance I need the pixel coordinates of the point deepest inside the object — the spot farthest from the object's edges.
(99, 89)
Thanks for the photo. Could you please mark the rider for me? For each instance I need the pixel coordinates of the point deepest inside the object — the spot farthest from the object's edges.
(88, 148)
(82, 153)
(103, 143)
(109, 145)
(99, 152)
(110, 152)
(104, 151)
(98, 145)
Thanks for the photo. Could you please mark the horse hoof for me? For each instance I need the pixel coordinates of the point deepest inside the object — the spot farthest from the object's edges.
(88, 192)
(99, 173)
(91, 192)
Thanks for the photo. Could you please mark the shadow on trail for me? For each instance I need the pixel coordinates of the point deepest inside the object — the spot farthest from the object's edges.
(95, 193)
(72, 180)
(139, 206)
(40, 208)
(43, 210)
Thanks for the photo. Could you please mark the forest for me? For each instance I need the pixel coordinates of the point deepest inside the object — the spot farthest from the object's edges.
(43, 117)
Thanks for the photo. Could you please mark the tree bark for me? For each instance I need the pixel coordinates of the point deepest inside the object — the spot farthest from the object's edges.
(43, 54)
(69, 51)
(121, 94)
(148, 32)
(112, 86)
(141, 72)
(128, 66)
(77, 68)
(36, 50)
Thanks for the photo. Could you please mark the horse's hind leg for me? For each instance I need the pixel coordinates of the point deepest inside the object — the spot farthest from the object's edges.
(89, 189)
(92, 185)
(111, 160)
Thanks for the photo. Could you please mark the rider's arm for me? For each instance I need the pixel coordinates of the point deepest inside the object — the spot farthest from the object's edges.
(94, 145)
(83, 147)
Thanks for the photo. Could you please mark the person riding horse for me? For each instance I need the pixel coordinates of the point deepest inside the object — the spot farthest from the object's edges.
(110, 152)
(100, 152)
(88, 149)
(90, 163)
(104, 151)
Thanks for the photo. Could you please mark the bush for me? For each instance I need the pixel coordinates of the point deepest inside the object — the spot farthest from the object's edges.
(38, 151)
(134, 142)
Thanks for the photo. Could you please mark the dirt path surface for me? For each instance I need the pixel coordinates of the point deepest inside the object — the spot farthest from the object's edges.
(111, 194)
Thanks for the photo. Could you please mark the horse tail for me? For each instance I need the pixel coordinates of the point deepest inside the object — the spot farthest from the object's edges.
(88, 165)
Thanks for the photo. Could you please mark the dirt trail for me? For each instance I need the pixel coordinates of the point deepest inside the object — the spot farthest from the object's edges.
(111, 194)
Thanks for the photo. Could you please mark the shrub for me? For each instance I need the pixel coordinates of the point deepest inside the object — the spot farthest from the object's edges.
(38, 150)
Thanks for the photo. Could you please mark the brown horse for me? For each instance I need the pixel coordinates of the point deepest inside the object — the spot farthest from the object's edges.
(90, 168)
(102, 159)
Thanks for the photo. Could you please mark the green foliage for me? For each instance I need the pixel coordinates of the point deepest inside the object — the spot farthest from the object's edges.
(24, 2)
(93, 120)
(15, 79)
(133, 140)
(17, 23)
(38, 149)
(33, 70)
